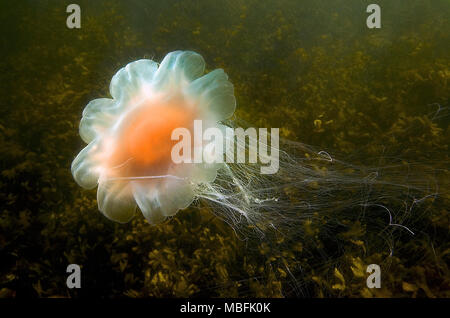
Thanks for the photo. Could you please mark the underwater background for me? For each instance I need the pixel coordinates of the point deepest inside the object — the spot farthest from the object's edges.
(311, 68)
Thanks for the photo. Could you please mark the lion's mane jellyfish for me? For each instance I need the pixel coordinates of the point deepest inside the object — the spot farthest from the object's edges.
(128, 155)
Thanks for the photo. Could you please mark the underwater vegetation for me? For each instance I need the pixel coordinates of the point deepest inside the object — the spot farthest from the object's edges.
(371, 98)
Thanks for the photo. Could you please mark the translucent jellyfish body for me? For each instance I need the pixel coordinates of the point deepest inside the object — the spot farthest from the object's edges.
(129, 158)
(128, 155)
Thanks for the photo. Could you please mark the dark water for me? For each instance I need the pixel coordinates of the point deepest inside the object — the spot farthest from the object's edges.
(312, 68)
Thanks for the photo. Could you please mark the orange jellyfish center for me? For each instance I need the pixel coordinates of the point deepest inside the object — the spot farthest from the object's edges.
(144, 146)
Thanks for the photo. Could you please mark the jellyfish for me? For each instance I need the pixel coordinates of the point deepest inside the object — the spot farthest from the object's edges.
(128, 156)
(130, 141)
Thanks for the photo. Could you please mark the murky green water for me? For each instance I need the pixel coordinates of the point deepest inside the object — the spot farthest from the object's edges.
(312, 68)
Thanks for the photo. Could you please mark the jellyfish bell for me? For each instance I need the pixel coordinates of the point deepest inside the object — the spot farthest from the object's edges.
(128, 155)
